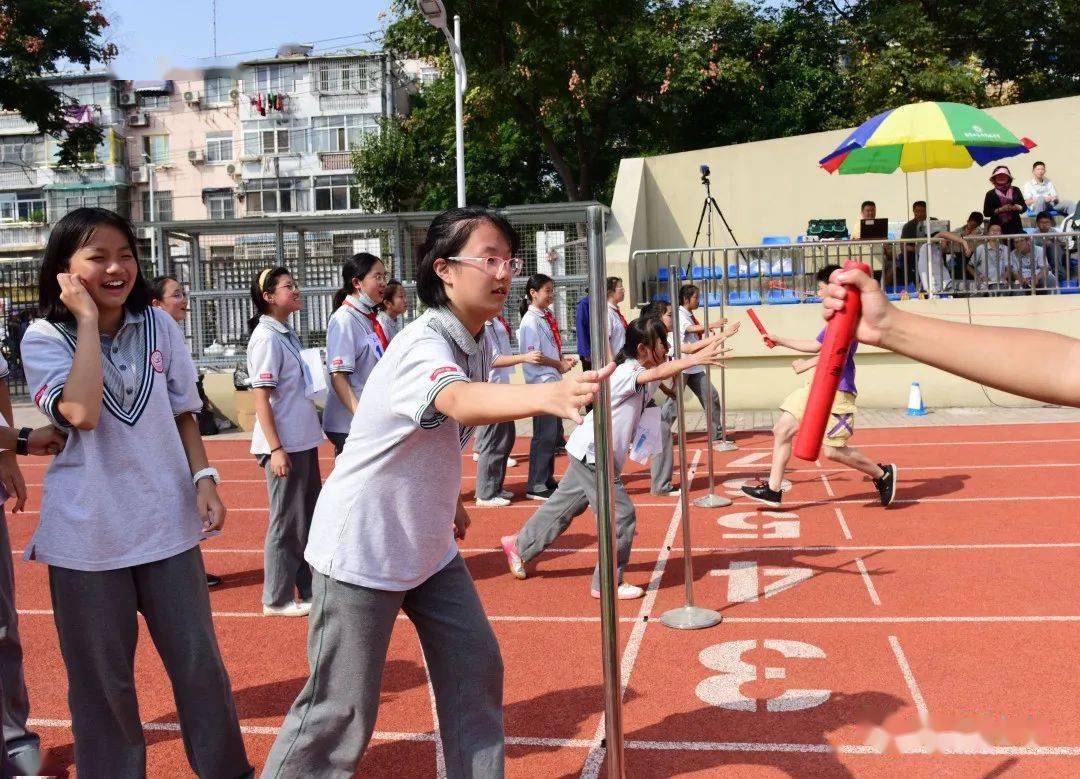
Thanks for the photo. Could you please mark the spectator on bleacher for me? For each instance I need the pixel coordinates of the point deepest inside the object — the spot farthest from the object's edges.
(904, 273)
(1055, 247)
(1028, 268)
(959, 256)
(1004, 203)
(989, 263)
(1041, 195)
(934, 277)
(868, 210)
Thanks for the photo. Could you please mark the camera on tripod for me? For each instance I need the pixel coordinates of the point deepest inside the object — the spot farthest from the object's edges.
(704, 174)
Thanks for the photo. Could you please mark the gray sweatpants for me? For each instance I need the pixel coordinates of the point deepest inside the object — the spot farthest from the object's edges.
(329, 725)
(16, 705)
(577, 491)
(662, 463)
(292, 504)
(700, 386)
(545, 438)
(493, 444)
(96, 614)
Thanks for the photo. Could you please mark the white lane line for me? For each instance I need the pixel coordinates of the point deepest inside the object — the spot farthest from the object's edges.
(440, 755)
(909, 677)
(867, 581)
(905, 445)
(250, 730)
(594, 760)
(928, 620)
(828, 487)
(843, 523)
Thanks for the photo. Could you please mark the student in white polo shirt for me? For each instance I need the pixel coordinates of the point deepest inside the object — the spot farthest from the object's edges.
(392, 311)
(383, 537)
(125, 503)
(691, 331)
(355, 340)
(632, 385)
(285, 440)
(539, 332)
(19, 747)
(495, 442)
(616, 294)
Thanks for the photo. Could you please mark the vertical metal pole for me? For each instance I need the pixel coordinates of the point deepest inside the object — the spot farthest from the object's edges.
(605, 501)
(198, 313)
(689, 616)
(304, 331)
(459, 121)
(153, 229)
(723, 445)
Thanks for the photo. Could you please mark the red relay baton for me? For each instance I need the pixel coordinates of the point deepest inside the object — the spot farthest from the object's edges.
(760, 327)
(834, 350)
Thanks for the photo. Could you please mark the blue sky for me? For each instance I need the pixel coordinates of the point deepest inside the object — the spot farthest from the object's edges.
(153, 35)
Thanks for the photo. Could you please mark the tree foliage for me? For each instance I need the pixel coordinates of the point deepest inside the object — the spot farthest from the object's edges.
(34, 36)
(561, 90)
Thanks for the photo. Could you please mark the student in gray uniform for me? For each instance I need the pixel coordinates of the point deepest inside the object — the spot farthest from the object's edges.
(355, 340)
(632, 386)
(19, 747)
(539, 332)
(285, 440)
(383, 539)
(392, 312)
(125, 503)
(494, 442)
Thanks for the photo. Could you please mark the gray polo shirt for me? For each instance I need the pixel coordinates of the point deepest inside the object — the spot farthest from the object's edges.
(385, 515)
(273, 360)
(352, 347)
(119, 495)
(534, 334)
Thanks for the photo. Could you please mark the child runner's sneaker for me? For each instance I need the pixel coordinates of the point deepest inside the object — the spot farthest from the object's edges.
(511, 462)
(626, 592)
(294, 609)
(886, 485)
(513, 559)
(506, 494)
(492, 503)
(763, 493)
(476, 457)
(541, 495)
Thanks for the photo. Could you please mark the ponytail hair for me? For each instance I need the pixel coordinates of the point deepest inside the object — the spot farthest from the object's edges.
(265, 281)
(645, 330)
(392, 288)
(535, 282)
(356, 267)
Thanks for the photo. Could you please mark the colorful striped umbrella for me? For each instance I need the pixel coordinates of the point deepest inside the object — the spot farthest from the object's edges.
(925, 136)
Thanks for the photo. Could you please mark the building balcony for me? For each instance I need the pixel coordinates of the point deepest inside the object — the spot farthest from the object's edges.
(18, 177)
(23, 236)
(14, 124)
(335, 160)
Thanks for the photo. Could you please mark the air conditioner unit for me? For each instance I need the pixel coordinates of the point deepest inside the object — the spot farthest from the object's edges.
(195, 155)
(139, 176)
(192, 97)
(127, 98)
(234, 95)
(231, 170)
(146, 233)
(139, 119)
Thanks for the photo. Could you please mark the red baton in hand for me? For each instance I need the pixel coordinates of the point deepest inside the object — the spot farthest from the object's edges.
(834, 351)
(760, 328)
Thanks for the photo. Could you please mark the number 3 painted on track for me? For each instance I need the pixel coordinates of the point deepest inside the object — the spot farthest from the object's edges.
(724, 690)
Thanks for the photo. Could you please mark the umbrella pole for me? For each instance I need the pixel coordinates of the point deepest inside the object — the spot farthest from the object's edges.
(929, 258)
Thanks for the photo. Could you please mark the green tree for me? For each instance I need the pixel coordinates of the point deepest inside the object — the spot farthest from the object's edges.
(34, 36)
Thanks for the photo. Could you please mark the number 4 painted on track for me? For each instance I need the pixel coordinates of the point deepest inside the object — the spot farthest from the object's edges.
(743, 580)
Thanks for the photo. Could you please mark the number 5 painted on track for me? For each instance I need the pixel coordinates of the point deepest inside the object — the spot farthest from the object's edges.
(784, 524)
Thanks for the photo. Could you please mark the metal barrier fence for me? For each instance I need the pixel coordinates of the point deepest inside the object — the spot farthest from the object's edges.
(949, 265)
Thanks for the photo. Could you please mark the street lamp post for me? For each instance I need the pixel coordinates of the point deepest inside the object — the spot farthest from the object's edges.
(435, 14)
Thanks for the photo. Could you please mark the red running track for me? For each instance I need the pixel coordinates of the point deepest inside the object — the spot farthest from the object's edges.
(937, 637)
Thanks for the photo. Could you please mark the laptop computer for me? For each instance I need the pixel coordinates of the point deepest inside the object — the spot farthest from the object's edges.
(873, 229)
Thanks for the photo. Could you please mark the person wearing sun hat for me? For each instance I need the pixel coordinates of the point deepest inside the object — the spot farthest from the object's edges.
(1004, 203)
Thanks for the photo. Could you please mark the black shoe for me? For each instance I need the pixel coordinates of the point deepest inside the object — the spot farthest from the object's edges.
(886, 485)
(539, 494)
(762, 493)
(212, 580)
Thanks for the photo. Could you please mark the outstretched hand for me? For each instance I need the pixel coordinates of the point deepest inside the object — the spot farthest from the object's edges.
(575, 391)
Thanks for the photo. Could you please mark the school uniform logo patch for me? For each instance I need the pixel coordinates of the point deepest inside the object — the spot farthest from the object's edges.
(337, 361)
(266, 375)
(40, 392)
(157, 361)
(444, 370)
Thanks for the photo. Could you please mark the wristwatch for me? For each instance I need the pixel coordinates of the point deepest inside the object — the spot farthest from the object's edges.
(22, 445)
(206, 473)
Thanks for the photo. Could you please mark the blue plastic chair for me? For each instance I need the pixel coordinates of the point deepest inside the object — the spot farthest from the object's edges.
(738, 298)
(773, 240)
(813, 299)
(698, 273)
(663, 297)
(1070, 287)
(781, 297)
(714, 299)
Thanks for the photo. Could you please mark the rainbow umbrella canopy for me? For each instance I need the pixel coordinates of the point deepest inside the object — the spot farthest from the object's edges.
(925, 136)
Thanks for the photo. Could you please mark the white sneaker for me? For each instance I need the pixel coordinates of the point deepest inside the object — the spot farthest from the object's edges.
(294, 609)
(626, 592)
(511, 462)
(506, 494)
(475, 457)
(492, 503)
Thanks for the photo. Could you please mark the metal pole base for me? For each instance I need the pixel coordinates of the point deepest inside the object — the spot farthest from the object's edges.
(690, 618)
(712, 501)
(725, 446)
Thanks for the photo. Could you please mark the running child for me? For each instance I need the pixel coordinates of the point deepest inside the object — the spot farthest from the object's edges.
(383, 537)
(539, 332)
(495, 442)
(837, 432)
(125, 503)
(632, 386)
(392, 311)
(355, 340)
(285, 441)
